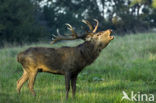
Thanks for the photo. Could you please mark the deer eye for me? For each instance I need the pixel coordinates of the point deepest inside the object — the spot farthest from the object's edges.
(98, 34)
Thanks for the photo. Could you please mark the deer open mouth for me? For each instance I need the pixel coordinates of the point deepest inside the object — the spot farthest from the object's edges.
(112, 37)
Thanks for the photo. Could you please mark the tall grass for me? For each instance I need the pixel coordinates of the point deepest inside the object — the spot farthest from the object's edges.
(128, 63)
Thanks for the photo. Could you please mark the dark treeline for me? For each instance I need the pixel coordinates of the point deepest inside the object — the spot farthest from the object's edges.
(35, 20)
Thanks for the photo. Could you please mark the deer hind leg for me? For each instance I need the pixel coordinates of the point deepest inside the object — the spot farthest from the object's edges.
(32, 77)
(22, 80)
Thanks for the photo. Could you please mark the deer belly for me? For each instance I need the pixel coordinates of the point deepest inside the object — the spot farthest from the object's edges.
(51, 70)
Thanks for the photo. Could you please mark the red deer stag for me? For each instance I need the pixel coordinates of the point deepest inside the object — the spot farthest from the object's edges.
(67, 61)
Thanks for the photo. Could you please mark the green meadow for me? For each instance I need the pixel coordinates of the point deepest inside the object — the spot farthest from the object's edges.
(127, 64)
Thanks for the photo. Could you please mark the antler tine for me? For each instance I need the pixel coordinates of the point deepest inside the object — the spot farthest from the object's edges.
(53, 35)
(74, 34)
(53, 39)
(69, 26)
(58, 32)
(89, 24)
(97, 24)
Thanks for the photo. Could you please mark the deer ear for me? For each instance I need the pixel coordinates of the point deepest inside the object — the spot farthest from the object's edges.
(88, 38)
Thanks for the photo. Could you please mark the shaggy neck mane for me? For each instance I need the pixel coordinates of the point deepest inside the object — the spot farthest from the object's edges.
(89, 51)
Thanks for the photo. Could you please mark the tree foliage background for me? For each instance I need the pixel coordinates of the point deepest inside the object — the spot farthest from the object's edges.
(24, 21)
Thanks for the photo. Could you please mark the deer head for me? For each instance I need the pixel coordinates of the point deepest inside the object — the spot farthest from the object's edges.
(101, 38)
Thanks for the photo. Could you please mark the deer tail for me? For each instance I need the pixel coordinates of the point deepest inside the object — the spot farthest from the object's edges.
(19, 57)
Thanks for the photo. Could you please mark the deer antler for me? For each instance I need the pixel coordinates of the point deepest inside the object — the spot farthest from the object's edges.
(90, 26)
(97, 24)
(74, 35)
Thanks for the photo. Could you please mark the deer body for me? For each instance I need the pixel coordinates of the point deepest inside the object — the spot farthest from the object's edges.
(59, 60)
(67, 61)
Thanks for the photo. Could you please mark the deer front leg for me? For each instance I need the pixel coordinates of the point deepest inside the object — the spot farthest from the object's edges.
(67, 83)
(73, 84)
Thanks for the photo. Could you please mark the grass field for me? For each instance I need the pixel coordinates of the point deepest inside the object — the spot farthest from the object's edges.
(127, 64)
